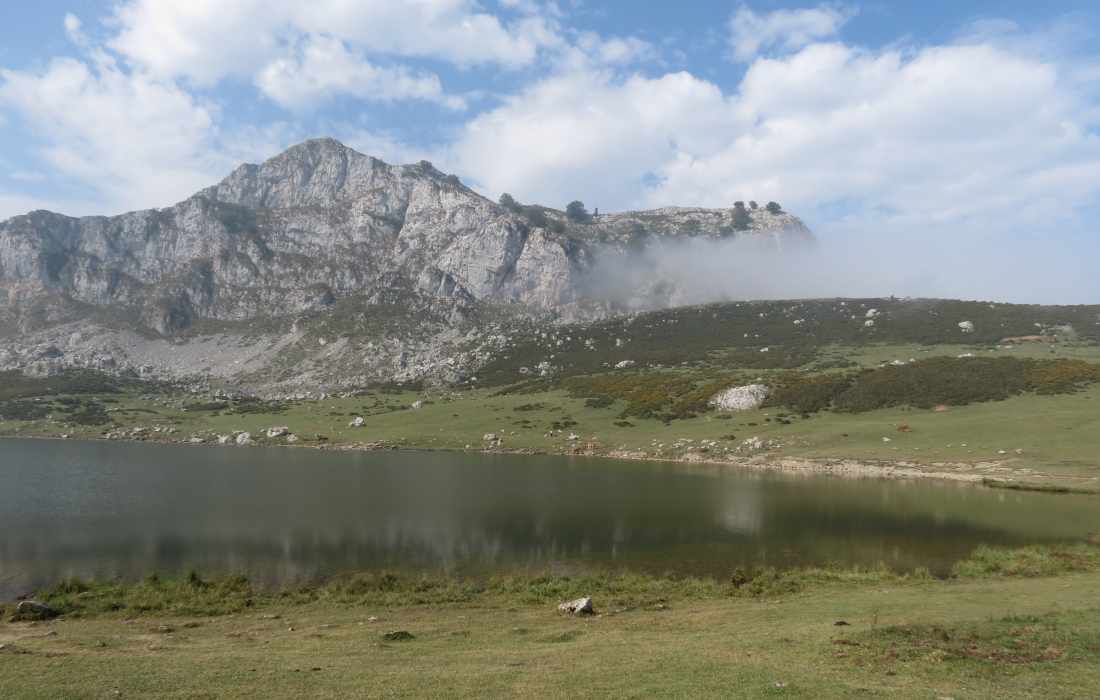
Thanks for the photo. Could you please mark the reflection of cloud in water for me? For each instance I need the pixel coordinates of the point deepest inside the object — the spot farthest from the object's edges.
(742, 510)
(112, 510)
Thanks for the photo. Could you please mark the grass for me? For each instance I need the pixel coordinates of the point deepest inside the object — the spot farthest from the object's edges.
(1036, 440)
(988, 632)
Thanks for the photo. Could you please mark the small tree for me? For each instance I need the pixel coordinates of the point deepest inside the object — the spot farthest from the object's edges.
(576, 212)
(509, 202)
(453, 180)
(774, 207)
(535, 216)
(738, 205)
(741, 218)
(753, 205)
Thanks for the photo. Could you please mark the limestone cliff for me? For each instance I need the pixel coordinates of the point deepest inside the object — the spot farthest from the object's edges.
(313, 227)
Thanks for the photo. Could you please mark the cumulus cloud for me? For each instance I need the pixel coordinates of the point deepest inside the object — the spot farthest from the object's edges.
(752, 33)
(323, 67)
(201, 39)
(128, 137)
(587, 133)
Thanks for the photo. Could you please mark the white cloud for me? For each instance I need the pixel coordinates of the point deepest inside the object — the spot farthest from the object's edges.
(132, 139)
(324, 67)
(586, 134)
(789, 30)
(74, 30)
(202, 39)
(954, 148)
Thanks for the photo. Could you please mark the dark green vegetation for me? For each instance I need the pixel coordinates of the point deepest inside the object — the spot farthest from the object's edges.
(733, 335)
(77, 396)
(927, 383)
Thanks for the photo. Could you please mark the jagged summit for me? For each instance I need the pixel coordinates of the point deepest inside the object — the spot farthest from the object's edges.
(317, 224)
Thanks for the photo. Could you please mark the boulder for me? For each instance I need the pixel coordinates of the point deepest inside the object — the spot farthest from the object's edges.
(278, 431)
(291, 439)
(966, 326)
(357, 422)
(417, 404)
(740, 398)
(580, 606)
(225, 439)
(33, 610)
(244, 439)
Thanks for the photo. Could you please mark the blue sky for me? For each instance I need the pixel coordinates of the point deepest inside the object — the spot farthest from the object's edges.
(944, 148)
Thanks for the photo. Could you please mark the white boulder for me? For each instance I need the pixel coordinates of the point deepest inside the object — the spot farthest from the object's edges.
(966, 326)
(278, 431)
(244, 439)
(740, 398)
(580, 606)
(357, 422)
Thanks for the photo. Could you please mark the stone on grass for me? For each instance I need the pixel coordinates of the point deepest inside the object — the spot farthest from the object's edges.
(357, 422)
(580, 606)
(244, 439)
(398, 636)
(33, 610)
(278, 431)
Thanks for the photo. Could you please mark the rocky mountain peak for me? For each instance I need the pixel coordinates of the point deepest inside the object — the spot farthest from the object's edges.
(319, 224)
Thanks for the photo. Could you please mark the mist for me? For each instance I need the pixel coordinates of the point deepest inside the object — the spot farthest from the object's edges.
(677, 272)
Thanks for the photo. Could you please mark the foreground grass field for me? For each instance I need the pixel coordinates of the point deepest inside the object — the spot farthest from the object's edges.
(1019, 624)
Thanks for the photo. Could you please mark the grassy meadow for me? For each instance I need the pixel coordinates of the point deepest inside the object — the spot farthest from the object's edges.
(1007, 624)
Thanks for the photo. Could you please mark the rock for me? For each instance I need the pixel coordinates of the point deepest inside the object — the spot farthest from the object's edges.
(357, 422)
(225, 439)
(398, 636)
(196, 440)
(869, 323)
(489, 437)
(291, 439)
(278, 431)
(573, 437)
(966, 326)
(740, 398)
(416, 405)
(624, 364)
(33, 610)
(580, 606)
(244, 439)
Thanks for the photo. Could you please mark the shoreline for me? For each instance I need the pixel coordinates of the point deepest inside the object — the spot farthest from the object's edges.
(837, 467)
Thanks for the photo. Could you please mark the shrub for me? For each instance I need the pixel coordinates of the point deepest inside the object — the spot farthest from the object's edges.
(509, 202)
(773, 207)
(576, 212)
(741, 218)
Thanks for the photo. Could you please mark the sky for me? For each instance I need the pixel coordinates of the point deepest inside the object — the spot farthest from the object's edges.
(941, 148)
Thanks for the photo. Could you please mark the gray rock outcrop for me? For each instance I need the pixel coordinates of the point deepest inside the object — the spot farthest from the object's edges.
(236, 276)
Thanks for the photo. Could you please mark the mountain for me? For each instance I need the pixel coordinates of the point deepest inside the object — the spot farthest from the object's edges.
(246, 272)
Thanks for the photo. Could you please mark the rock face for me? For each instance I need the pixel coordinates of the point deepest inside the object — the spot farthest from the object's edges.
(295, 237)
(740, 398)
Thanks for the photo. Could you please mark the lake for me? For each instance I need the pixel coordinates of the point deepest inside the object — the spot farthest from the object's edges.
(279, 515)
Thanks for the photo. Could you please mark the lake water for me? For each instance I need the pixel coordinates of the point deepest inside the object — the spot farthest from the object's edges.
(100, 509)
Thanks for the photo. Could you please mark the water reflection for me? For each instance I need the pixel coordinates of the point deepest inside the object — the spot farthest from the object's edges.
(115, 510)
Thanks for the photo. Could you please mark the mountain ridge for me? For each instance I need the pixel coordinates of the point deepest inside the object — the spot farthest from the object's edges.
(318, 224)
